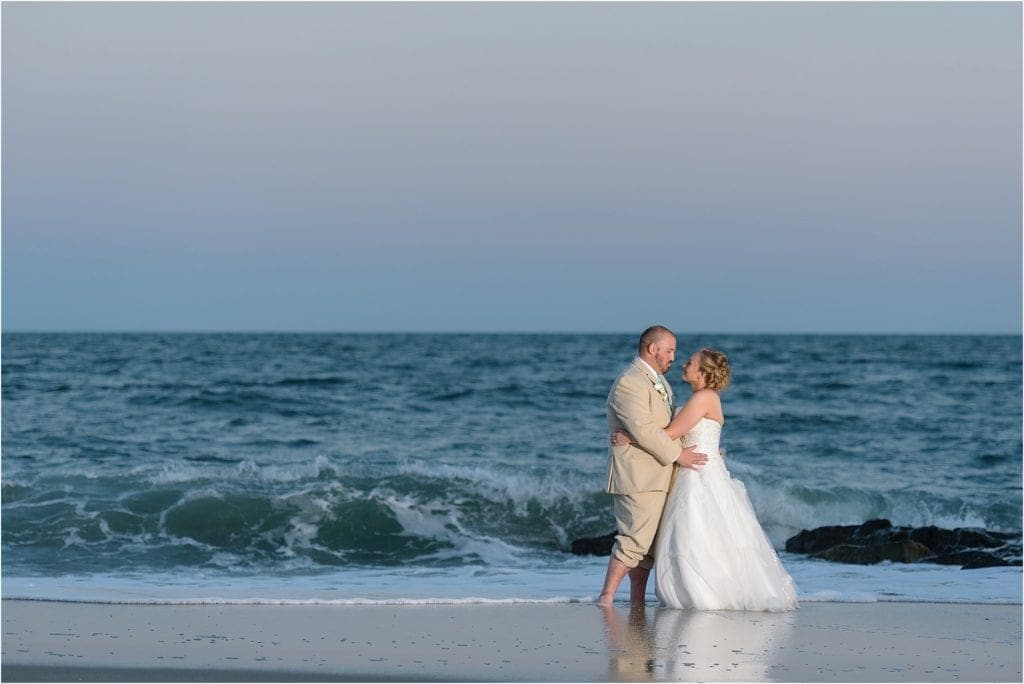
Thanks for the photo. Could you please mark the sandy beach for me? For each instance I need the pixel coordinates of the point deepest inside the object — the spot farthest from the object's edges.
(57, 641)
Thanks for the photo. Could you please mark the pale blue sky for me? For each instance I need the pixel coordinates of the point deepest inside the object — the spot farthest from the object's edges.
(790, 167)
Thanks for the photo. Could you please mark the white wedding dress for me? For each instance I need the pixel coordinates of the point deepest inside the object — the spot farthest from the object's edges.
(711, 552)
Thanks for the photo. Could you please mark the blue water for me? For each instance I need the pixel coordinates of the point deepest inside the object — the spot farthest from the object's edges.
(340, 467)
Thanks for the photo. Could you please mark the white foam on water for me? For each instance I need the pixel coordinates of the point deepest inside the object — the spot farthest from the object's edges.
(505, 484)
(424, 521)
(785, 509)
(176, 473)
(572, 580)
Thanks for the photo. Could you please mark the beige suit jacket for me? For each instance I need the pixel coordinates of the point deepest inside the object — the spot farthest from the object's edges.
(639, 409)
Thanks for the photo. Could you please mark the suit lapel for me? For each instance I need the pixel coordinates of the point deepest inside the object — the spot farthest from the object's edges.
(654, 380)
(645, 370)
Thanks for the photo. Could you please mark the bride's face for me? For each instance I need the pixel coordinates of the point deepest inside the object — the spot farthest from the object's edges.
(691, 372)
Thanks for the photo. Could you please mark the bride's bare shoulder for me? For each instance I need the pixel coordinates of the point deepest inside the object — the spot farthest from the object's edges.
(706, 395)
(709, 399)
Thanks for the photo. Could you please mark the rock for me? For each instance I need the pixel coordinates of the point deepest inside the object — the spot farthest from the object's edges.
(987, 560)
(977, 538)
(940, 540)
(877, 540)
(823, 538)
(594, 546)
(969, 560)
(912, 552)
(897, 552)
(935, 538)
(872, 526)
(820, 538)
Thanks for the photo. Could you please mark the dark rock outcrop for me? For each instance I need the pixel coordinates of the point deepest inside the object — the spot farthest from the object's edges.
(594, 546)
(897, 552)
(968, 560)
(823, 538)
(877, 540)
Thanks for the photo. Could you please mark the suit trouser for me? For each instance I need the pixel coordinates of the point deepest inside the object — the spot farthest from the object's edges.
(638, 516)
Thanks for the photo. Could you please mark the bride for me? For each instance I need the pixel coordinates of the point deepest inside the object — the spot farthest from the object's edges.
(711, 553)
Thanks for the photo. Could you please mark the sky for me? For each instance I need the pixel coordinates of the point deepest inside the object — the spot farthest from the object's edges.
(535, 167)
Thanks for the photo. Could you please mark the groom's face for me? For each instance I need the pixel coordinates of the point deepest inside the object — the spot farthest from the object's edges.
(664, 353)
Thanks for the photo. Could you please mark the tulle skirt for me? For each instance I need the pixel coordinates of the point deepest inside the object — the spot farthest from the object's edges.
(711, 553)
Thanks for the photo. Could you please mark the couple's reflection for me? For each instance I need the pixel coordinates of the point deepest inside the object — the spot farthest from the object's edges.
(630, 644)
(670, 644)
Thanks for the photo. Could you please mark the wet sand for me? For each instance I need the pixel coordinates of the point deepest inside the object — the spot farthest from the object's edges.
(822, 642)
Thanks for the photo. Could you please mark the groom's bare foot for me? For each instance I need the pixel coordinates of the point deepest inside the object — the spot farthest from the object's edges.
(617, 570)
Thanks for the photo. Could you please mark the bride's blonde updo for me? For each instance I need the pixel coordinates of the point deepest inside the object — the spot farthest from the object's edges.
(715, 367)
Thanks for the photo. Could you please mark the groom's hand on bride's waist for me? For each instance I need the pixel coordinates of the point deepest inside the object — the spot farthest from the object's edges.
(622, 438)
(689, 458)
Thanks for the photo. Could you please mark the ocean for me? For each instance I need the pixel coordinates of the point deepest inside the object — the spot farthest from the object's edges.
(416, 468)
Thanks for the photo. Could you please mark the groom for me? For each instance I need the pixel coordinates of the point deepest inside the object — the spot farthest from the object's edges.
(640, 474)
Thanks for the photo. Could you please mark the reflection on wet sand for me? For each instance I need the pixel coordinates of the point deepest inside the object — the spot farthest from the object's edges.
(669, 644)
(630, 644)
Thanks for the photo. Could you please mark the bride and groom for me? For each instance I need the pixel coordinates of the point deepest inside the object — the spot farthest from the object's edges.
(677, 509)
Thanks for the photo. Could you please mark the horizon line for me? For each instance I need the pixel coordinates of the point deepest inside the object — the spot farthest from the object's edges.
(256, 331)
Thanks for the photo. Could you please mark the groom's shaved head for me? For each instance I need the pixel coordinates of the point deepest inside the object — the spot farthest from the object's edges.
(653, 335)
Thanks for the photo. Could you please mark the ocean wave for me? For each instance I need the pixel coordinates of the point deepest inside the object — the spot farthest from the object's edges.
(245, 470)
(786, 508)
(249, 515)
(509, 484)
(322, 522)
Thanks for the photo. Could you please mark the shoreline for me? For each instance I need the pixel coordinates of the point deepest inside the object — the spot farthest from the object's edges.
(45, 640)
(214, 602)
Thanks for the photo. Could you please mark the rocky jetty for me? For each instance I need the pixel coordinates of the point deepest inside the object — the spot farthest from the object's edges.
(877, 540)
